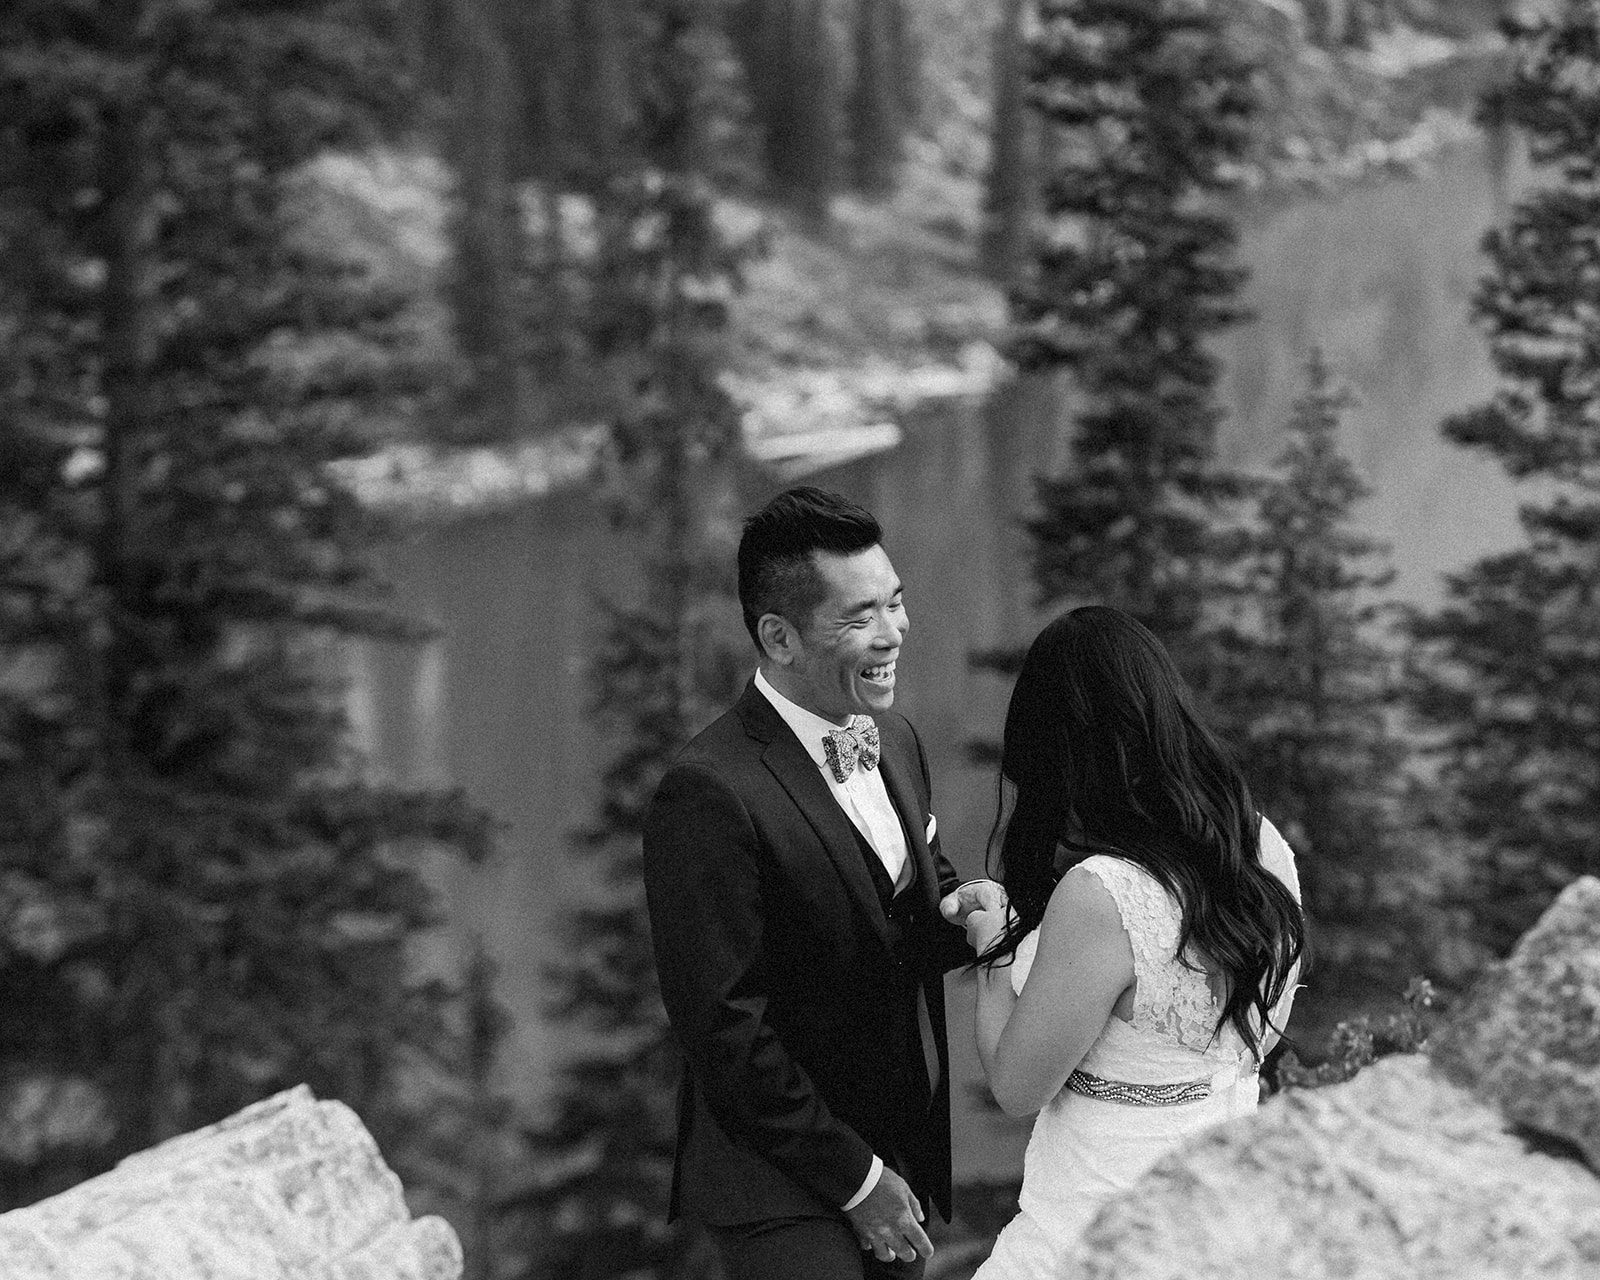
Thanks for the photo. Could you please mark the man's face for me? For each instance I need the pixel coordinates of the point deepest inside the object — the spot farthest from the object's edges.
(842, 659)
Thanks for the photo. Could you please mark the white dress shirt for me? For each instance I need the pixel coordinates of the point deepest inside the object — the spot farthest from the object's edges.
(865, 801)
(862, 796)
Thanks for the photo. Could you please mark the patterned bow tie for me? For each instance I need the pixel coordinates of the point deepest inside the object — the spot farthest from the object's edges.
(855, 744)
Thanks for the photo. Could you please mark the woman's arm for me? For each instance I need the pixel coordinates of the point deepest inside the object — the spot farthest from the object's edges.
(996, 1000)
(1278, 858)
(1029, 1044)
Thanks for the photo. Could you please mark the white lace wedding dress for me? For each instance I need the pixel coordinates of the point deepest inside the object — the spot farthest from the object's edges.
(1084, 1148)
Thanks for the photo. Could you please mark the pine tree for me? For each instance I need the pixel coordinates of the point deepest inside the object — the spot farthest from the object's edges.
(1152, 112)
(876, 111)
(1009, 195)
(1510, 669)
(533, 99)
(204, 901)
(665, 664)
(1312, 684)
(469, 1152)
(483, 139)
(572, 102)
(792, 71)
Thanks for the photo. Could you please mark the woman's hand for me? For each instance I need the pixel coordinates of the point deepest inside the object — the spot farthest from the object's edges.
(983, 927)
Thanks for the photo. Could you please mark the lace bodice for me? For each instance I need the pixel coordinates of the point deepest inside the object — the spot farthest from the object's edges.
(1174, 1006)
(1171, 999)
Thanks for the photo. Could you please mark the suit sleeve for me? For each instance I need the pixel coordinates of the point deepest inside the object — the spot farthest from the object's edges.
(702, 885)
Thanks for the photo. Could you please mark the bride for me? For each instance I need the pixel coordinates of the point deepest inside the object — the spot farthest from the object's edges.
(1149, 957)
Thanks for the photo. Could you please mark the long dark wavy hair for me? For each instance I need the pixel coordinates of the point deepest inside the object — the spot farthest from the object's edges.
(1104, 753)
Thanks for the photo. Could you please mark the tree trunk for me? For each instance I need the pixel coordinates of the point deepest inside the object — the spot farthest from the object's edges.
(877, 124)
(487, 240)
(546, 42)
(802, 135)
(127, 328)
(1008, 199)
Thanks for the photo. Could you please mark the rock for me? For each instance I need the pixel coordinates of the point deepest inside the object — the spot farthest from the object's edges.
(1399, 1174)
(1528, 1039)
(1421, 1167)
(287, 1189)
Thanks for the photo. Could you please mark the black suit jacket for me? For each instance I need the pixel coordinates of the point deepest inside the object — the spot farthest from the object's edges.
(777, 974)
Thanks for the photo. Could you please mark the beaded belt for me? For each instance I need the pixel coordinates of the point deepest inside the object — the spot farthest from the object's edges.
(1139, 1095)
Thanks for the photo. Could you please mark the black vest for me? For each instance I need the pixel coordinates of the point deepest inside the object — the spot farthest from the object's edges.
(904, 912)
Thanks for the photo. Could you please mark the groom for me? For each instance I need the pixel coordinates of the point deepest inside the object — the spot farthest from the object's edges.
(793, 876)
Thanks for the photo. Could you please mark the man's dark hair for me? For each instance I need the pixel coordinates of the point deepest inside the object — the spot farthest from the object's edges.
(776, 571)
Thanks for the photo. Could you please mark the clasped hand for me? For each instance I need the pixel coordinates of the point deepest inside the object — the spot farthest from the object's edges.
(888, 1222)
(980, 906)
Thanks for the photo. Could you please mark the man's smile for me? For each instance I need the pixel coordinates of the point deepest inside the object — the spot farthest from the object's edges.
(881, 675)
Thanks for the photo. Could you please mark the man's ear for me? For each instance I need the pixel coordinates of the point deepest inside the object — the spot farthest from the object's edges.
(778, 638)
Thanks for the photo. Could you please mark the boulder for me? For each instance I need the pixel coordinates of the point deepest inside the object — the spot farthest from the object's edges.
(1528, 1039)
(288, 1189)
(1398, 1174)
(1477, 1160)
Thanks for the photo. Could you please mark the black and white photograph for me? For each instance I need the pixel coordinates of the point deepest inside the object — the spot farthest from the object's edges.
(799, 639)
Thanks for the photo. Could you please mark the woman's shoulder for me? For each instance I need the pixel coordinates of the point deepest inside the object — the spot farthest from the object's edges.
(1141, 902)
(1093, 880)
(1121, 876)
(1084, 913)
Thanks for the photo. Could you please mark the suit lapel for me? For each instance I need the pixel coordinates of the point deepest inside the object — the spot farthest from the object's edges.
(799, 776)
(904, 796)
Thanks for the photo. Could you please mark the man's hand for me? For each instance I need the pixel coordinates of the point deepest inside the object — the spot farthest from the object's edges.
(888, 1222)
(975, 898)
(975, 895)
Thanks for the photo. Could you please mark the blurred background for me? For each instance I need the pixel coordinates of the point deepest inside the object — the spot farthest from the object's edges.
(382, 383)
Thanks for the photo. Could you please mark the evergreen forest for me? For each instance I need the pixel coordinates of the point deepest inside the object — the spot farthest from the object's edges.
(274, 274)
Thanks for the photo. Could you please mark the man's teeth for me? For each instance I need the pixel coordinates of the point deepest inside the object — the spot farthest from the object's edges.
(885, 672)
